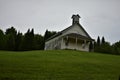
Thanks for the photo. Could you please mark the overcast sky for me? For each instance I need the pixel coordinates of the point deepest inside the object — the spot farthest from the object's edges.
(98, 17)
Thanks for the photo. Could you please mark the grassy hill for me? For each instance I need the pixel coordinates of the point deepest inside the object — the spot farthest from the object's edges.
(58, 65)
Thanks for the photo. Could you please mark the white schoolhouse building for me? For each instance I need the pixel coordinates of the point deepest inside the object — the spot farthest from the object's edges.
(74, 37)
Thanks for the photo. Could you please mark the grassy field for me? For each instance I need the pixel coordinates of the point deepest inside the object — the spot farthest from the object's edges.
(58, 65)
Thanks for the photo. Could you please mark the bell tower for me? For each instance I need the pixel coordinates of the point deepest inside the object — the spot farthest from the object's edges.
(75, 19)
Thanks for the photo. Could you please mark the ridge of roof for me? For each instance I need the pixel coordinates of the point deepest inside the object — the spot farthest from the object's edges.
(61, 32)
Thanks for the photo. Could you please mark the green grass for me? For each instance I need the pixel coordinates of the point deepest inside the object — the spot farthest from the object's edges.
(58, 65)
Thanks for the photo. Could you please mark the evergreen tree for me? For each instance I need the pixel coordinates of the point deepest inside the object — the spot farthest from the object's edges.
(116, 48)
(46, 36)
(2, 40)
(97, 45)
(25, 42)
(10, 38)
(18, 42)
(32, 40)
(105, 48)
(39, 42)
(28, 40)
(11, 30)
(98, 41)
(103, 40)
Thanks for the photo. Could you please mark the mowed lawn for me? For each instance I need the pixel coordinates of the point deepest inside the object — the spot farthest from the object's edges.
(58, 65)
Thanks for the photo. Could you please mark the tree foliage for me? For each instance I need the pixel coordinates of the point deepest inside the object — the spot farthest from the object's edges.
(2, 40)
(103, 40)
(48, 34)
(19, 38)
(16, 41)
(105, 47)
(28, 40)
(98, 41)
(10, 38)
(116, 48)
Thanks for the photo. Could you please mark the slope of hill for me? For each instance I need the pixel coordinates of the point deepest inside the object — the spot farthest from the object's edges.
(58, 65)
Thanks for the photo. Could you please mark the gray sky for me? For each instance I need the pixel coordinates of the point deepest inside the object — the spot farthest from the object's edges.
(98, 17)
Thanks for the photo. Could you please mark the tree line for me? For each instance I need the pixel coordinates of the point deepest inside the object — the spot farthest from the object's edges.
(103, 46)
(12, 40)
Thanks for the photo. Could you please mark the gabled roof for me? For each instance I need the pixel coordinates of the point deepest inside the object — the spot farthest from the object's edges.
(61, 32)
(80, 27)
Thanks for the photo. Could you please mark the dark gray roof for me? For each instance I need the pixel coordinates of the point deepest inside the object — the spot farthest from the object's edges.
(61, 32)
(79, 26)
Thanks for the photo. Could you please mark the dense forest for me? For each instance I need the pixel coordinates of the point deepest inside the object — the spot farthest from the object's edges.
(12, 40)
(104, 47)
(16, 41)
